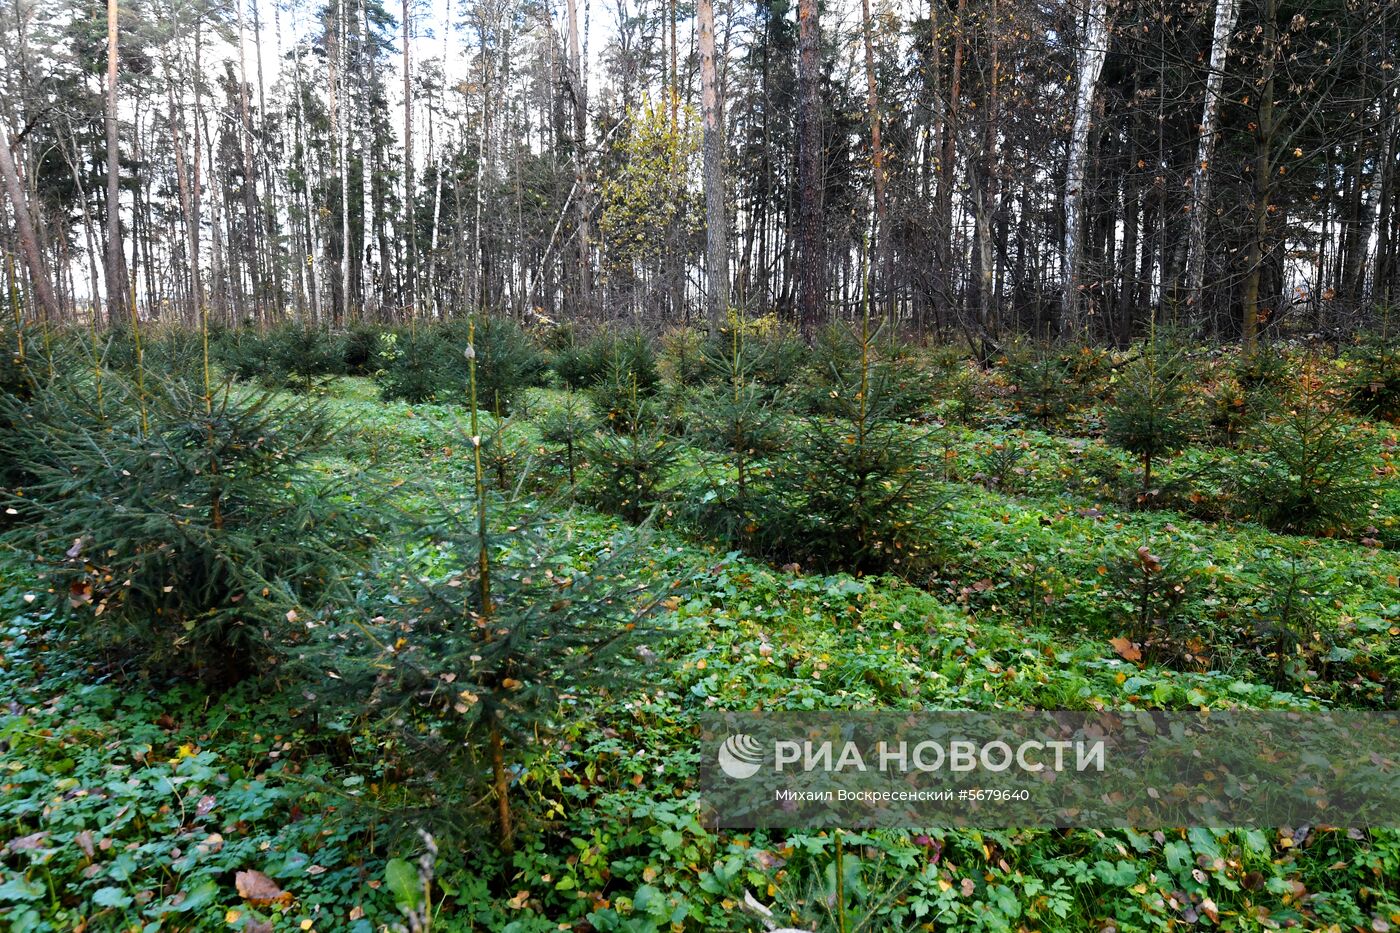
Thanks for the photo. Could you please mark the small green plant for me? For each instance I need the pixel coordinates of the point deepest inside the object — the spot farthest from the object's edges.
(1375, 379)
(1289, 618)
(630, 459)
(1150, 417)
(998, 466)
(855, 490)
(180, 531)
(1308, 471)
(736, 425)
(1265, 368)
(568, 426)
(1156, 593)
(1042, 386)
(510, 629)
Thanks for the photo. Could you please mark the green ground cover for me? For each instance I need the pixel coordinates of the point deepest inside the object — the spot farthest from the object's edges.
(289, 801)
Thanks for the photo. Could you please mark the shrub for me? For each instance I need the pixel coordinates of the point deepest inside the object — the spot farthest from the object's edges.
(1149, 416)
(1308, 473)
(630, 466)
(854, 492)
(1042, 386)
(769, 356)
(180, 533)
(1156, 594)
(848, 360)
(582, 366)
(1263, 368)
(1289, 618)
(682, 358)
(1375, 380)
(427, 363)
(508, 362)
(735, 428)
(472, 677)
(293, 356)
(17, 385)
(568, 426)
(361, 345)
(516, 626)
(1228, 411)
(416, 366)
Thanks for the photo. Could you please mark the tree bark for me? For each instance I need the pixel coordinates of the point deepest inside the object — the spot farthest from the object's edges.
(28, 242)
(1091, 58)
(579, 92)
(1263, 182)
(811, 232)
(116, 258)
(1225, 13)
(877, 152)
(716, 224)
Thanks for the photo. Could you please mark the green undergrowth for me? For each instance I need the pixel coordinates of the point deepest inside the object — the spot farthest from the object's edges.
(136, 805)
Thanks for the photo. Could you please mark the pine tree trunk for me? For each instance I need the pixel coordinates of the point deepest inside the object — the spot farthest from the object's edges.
(410, 220)
(1263, 171)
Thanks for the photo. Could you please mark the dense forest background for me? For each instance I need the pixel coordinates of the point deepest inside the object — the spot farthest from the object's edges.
(972, 166)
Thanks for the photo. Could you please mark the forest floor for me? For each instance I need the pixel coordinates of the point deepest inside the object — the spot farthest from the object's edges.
(126, 805)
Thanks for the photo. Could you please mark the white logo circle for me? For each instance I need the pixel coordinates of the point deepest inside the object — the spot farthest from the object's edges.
(740, 756)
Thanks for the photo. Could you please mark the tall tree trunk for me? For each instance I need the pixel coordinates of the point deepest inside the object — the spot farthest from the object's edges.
(410, 220)
(811, 228)
(116, 258)
(339, 100)
(716, 225)
(367, 151)
(579, 92)
(1091, 58)
(947, 164)
(1263, 181)
(186, 209)
(28, 242)
(251, 221)
(1225, 13)
(877, 152)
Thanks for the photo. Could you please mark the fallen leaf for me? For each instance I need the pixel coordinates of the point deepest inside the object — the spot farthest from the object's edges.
(1127, 650)
(260, 890)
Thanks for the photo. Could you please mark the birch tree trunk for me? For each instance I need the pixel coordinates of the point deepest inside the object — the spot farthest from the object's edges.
(367, 147)
(338, 101)
(716, 224)
(1226, 12)
(1091, 57)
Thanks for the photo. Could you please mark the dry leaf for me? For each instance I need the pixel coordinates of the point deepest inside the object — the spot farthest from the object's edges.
(260, 890)
(1127, 650)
